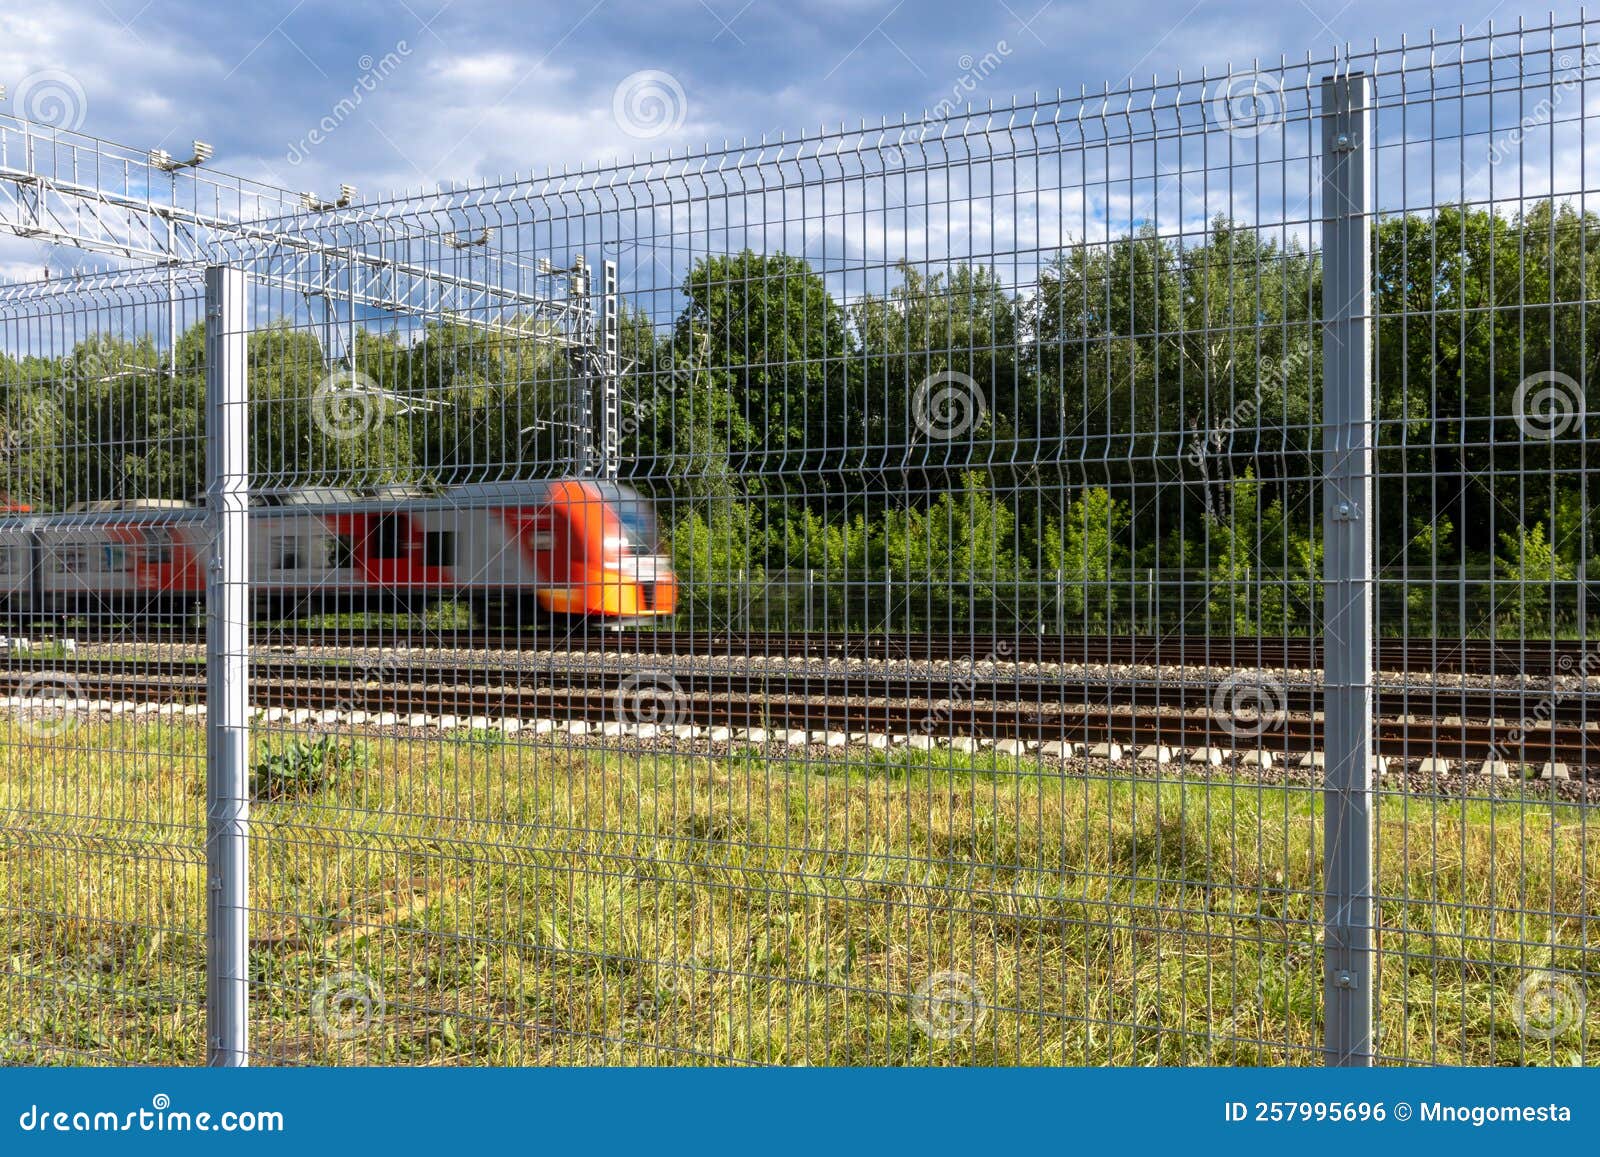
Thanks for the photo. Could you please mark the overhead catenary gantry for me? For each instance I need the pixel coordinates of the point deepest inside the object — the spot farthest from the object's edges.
(60, 187)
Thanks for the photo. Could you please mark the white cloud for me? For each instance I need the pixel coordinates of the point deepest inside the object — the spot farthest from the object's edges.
(486, 93)
(494, 68)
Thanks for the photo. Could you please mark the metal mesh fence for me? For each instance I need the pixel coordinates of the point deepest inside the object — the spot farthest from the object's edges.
(101, 876)
(1481, 231)
(860, 599)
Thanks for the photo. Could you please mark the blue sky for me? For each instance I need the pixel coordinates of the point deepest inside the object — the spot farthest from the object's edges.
(475, 89)
(394, 95)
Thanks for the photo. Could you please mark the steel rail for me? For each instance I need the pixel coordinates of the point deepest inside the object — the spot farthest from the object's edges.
(1485, 724)
(1444, 655)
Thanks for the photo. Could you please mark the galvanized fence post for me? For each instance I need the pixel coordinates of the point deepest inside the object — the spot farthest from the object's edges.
(1347, 571)
(227, 673)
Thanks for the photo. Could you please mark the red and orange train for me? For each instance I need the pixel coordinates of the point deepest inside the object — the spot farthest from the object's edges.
(566, 550)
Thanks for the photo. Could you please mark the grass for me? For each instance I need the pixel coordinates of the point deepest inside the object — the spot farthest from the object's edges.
(48, 649)
(442, 616)
(478, 901)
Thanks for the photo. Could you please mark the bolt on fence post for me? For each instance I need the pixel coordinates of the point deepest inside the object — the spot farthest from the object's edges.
(227, 673)
(1347, 571)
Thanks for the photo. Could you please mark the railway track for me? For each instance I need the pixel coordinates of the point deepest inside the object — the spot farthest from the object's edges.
(1464, 723)
(1457, 656)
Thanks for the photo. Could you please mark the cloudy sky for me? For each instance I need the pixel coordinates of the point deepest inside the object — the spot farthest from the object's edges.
(467, 89)
(401, 94)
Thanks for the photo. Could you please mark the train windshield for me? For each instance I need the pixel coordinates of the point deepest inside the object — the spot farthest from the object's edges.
(637, 516)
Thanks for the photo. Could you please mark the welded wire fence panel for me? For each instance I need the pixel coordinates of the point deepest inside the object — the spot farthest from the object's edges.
(102, 753)
(912, 689)
(1484, 236)
(860, 599)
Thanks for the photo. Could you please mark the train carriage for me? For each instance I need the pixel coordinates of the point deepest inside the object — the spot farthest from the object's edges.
(572, 549)
(16, 567)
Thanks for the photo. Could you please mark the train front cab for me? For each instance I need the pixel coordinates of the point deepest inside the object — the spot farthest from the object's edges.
(578, 551)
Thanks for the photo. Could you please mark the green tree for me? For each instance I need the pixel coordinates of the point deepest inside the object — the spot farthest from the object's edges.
(1087, 557)
(765, 342)
(1532, 566)
(719, 572)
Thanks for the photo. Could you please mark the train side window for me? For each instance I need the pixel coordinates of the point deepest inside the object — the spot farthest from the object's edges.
(286, 552)
(112, 558)
(6, 561)
(386, 538)
(341, 552)
(68, 560)
(157, 554)
(439, 548)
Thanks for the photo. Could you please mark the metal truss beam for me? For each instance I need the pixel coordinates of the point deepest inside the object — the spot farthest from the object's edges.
(62, 188)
